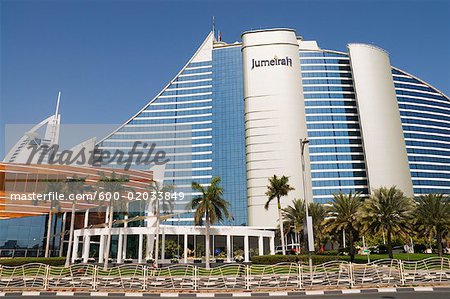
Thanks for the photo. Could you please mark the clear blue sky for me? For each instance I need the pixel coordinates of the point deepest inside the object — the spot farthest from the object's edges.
(110, 57)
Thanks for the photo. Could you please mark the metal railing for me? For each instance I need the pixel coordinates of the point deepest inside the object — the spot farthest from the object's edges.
(177, 277)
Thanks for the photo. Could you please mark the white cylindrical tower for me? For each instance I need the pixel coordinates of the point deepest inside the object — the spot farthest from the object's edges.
(274, 118)
(381, 128)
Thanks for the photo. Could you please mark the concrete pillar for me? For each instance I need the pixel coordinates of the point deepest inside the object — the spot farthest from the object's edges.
(272, 245)
(125, 239)
(86, 218)
(246, 250)
(107, 214)
(76, 241)
(141, 241)
(229, 248)
(101, 249)
(185, 248)
(119, 247)
(86, 247)
(261, 245)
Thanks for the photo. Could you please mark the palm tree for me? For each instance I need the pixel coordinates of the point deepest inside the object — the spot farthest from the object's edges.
(318, 213)
(387, 210)
(433, 214)
(294, 216)
(344, 211)
(210, 205)
(112, 185)
(74, 185)
(277, 188)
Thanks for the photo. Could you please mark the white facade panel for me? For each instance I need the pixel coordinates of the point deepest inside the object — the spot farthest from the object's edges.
(384, 143)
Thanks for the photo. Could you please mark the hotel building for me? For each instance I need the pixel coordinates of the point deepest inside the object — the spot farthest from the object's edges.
(241, 110)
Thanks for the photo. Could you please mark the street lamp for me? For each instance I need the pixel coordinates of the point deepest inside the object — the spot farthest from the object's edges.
(308, 223)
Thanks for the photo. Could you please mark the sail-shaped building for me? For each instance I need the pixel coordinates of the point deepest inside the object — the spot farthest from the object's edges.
(239, 110)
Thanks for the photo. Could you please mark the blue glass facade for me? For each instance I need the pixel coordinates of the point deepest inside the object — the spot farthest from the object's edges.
(336, 149)
(179, 122)
(228, 130)
(425, 116)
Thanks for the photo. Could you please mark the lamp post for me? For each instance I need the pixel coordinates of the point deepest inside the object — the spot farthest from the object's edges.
(308, 223)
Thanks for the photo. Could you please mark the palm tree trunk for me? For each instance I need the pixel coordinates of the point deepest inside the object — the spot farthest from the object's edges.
(49, 228)
(439, 241)
(72, 227)
(207, 246)
(280, 221)
(62, 234)
(389, 244)
(352, 247)
(108, 240)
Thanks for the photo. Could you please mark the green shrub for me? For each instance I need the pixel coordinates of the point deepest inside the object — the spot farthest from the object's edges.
(18, 261)
(316, 259)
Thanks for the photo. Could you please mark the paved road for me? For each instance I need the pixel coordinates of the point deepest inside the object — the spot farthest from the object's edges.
(398, 295)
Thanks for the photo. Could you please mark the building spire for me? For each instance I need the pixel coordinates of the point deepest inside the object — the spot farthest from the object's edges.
(57, 104)
(214, 27)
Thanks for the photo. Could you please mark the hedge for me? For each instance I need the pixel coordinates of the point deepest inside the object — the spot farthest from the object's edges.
(316, 259)
(18, 261)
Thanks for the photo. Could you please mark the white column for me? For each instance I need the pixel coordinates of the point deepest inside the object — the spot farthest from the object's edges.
(86, 247)
(141, 241)
(379, 116)
(85, 225)
(76, 241)
(229, 248)
(107, 214)
(101, 249)
(275, 118)
(163, 245)
(261, 245)
(125, 239)
(246, 250)
(86, 218)
(185, 249)
(119, 247)
(272, 245)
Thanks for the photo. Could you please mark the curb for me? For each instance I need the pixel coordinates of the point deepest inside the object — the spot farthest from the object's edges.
(236, 294)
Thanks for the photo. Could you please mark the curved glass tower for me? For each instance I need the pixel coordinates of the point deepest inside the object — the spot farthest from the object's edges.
(368, 124)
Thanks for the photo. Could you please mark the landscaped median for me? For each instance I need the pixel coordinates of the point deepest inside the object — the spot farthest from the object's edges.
(233, 277)
(323, 258)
